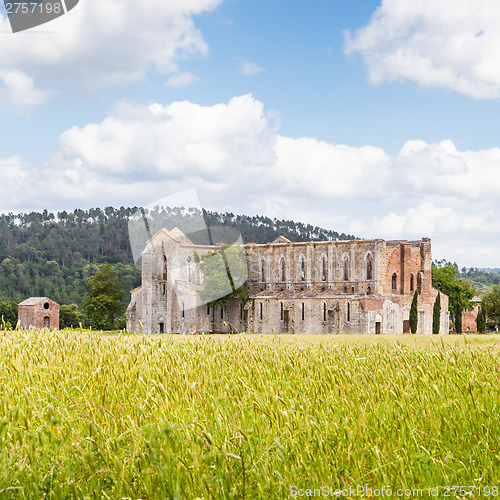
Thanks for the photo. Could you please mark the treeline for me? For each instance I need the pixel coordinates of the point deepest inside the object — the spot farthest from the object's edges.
(259, 229)
(53, 254)
(482, 279)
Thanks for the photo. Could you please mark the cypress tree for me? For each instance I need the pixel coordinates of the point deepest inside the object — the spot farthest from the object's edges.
(414, 313)
(458, 319)
(436, 314)
(481, 321)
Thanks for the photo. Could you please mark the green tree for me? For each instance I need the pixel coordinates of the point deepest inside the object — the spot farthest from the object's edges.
(414, 313)
(69, 316)
(103, 302)
(8, 312)
(491, 305)
(459, 291)
(436, 315)
(481, 321)
(224, 275)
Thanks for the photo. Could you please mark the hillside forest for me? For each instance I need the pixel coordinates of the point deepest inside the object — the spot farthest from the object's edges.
(54, 254)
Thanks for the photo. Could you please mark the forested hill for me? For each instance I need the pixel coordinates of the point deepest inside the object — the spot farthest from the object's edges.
(482, 279)
(46, 254)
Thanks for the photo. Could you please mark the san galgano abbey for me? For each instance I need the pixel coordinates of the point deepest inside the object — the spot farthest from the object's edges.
(356, 286)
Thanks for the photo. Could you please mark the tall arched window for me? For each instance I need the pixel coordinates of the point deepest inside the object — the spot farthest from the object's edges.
(394, 282)
(345, 265)
(348, 311)
(419, 283)
(369, 267)
(262, 270)
(412, 283)
(261, 311)
(165, 270)
(324, 271)
(302, 268)
(282, 315)
(303, 311)
(324, 311)
(282, 269)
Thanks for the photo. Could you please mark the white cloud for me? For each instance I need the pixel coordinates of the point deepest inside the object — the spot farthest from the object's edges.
(18, 90)
(233, 154)
(232, 148)
(250, 68)
(110, 42)
(441, 170)
(445, 43)
(182, 140)
(12, 169)
(306, 165)
(467, 237)
(15, 178)
(181, 80)
(428, 219)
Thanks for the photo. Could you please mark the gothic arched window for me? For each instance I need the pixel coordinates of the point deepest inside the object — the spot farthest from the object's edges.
(369, 267)
(345, 265)
(394, 282)
(282, 269)
(302, 266)
(324, 270)
(262, 270)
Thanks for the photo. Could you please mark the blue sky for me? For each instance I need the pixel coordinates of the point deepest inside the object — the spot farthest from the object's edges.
(374, 118)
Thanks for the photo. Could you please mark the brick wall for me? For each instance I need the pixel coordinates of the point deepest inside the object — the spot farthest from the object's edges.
(43, 314)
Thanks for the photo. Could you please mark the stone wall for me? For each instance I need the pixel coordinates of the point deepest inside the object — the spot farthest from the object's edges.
(358, 286)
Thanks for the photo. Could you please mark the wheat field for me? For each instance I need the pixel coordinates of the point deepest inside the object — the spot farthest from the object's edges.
(90, 415)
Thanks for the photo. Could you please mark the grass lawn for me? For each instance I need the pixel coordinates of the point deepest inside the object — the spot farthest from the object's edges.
(88, 415)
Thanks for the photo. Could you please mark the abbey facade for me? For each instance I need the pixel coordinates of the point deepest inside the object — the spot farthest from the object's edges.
(356, 286)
